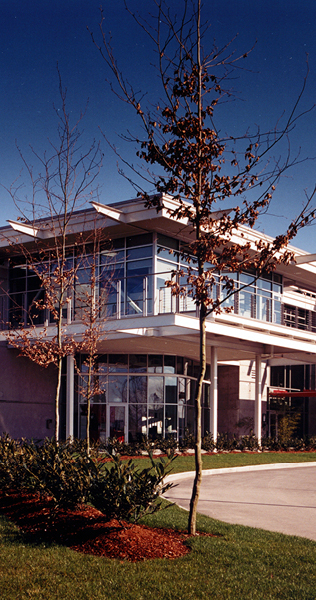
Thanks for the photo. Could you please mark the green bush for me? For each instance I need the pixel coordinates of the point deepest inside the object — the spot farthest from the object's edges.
(124, 492)
(14, 456)
(57, 470)
(208, 443)
(8, 462)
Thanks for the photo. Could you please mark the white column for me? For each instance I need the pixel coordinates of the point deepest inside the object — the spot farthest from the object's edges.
(70, 388)
(258, 399)
(213, 393)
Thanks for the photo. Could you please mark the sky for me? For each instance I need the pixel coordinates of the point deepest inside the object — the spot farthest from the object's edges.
(37, 34)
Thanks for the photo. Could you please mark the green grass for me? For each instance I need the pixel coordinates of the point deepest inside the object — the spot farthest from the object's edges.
(218, 461)
(240, 564)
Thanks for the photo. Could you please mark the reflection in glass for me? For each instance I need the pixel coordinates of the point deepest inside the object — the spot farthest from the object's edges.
(171, 421)
(155, 363)
(155, 390)
(110, 277)
(138, 273)
(118, 363)
(138, 363)
(117, 388)
(169, 364)
(137, 422)
(171, 390)
(155, 420)
(117, 422)
(138, 390)
(97, 422)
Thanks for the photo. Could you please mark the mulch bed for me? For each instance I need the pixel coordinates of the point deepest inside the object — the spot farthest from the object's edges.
(87, 530)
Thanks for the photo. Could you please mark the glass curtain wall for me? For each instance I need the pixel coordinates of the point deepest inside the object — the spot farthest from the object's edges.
(125, 272)
(156, 394)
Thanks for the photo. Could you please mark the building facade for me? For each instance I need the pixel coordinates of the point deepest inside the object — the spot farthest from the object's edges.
(259, 355)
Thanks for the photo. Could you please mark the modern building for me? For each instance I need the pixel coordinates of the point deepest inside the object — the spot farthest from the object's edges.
(261, 356)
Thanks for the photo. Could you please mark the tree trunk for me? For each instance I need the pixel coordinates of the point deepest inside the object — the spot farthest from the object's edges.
(58, 387)
(198, 421)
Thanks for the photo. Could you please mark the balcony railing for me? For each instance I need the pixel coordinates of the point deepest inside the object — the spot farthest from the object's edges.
(140, 295)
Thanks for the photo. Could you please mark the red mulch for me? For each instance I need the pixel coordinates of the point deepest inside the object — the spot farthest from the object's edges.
(86, 530)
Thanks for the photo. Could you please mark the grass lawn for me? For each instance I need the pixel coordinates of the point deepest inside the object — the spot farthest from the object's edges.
(241, 563)
(218, 461)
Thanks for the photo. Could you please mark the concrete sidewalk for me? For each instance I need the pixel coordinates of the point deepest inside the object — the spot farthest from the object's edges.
(279, 497)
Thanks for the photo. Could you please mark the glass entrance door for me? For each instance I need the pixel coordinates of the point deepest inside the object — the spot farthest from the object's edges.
(117, 422)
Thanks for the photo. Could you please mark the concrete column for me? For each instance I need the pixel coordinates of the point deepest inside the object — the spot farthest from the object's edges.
(213, 393)
(258, 399)
(70, 389)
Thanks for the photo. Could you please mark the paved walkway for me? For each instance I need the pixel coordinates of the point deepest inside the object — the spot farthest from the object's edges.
(278, 497)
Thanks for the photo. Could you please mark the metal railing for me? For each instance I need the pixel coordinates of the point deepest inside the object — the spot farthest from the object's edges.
(140, 295)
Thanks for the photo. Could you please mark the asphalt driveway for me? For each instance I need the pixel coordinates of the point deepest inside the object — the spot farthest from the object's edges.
(278, 497)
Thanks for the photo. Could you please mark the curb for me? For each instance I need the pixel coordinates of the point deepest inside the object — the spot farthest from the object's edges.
(265, 467)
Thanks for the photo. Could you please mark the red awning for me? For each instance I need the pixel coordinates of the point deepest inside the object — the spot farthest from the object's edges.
(287, 394)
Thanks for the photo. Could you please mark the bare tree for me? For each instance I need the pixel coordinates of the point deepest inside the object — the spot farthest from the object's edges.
(92, 304)
(208, 173)
(63, 185)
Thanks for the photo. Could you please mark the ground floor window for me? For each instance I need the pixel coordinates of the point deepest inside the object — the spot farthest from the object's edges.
(140, 395)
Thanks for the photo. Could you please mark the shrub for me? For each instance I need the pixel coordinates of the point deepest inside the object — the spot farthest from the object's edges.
(58, 471)
(208, 443)
(14, 456)
(287, 427)
(124, 492)
(8, 461)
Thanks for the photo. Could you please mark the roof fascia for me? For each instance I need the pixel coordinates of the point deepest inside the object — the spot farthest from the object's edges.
(29, 230)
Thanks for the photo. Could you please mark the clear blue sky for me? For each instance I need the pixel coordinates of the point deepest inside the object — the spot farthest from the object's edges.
(36, 34)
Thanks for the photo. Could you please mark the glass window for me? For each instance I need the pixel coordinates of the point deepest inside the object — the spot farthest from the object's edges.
(180, 365)
(262, 284)
(277, 311)
(102, 363)
(118, 363)
(171, 421)
(277, 377)
(155, 390)
(35, 304)
(155, 363)
(225, 289)
(264, 305)
(139, 240)
(117, 422)
(169, 364)
(109, 278)
(166, 254)
(136, 272)
(142, 252)
(138, 389)
(155, 421)
(112, 257)
(138, 363)
(97, 422)
(155, 407)
(165, 268)
(117, 388)
(137, 424)
(167, 242)
(247, 278)
(98, 388)
(247, 303)
(171, 390)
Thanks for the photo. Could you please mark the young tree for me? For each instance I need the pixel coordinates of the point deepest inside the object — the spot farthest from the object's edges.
(92, 299)
(63, 185)
(208, 173)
